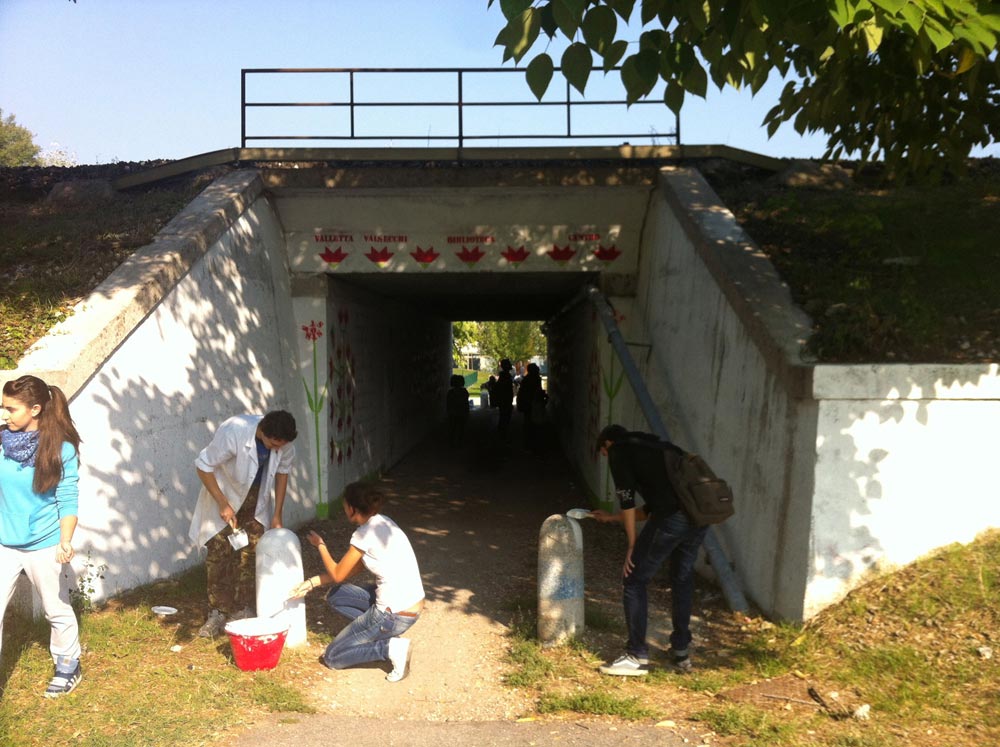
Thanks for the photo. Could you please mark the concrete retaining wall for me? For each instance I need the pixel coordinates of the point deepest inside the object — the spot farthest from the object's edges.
(839, 471)
(196, 327)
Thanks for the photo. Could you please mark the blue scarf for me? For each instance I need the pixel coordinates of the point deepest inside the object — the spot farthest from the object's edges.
(20, 446)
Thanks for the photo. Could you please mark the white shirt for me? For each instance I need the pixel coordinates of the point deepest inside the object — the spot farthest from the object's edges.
(389, 555)
(232, 457)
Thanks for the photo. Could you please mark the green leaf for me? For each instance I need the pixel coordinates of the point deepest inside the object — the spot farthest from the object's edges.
(650, 10)
(539, 74)
(841, 12)
(978, 36)
(695, 10)
(566, 17)
(873, 35)
(548, 22)
(940, 36)
(514, 8)
(654, 39)
(623, 8)
(576, 63)
(673, 97)
(695, 80)
(524, 31)
(639, 74)
(599, 28)
(913, 16)
(614, 54)
(890, 6)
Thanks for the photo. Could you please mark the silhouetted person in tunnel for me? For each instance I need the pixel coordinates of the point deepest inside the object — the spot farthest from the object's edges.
(531, 399)
(457, 408)
(503, 391)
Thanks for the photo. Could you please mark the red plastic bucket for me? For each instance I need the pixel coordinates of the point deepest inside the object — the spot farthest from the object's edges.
(257, 642)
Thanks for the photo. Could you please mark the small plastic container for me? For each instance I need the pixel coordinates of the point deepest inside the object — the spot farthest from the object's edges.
(257, 642)
(239, 539)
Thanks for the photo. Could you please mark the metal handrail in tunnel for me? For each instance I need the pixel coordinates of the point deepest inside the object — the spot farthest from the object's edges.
(731, 587)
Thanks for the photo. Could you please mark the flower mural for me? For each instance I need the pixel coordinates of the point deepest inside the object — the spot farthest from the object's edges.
(342, 368)
(515, 256)
(381, 257)
(470, 256)
(561, 254)
(607, 254)
(424, 257)
(333, 257)
(313, 332)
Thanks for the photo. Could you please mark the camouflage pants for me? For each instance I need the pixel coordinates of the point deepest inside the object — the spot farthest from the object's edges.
(231, 577)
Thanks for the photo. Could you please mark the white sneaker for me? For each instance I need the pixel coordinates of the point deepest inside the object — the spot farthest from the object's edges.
(214, 625)
(400, 650)
(626, 666)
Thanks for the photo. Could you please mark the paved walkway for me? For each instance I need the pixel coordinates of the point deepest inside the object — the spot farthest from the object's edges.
(473, 516)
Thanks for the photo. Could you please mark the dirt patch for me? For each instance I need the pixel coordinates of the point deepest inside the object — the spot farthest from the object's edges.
(473, 516)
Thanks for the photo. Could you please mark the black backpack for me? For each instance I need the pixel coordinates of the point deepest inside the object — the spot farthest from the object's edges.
(706, 498)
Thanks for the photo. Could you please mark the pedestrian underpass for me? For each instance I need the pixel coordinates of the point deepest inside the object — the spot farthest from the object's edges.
(329, 290)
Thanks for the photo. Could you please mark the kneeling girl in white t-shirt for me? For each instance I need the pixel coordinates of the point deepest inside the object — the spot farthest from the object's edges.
(379, 613)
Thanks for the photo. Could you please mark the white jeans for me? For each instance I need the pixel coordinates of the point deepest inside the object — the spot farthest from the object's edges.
(53, 587)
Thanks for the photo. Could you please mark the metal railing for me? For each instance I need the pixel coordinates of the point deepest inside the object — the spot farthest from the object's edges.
(461, 103)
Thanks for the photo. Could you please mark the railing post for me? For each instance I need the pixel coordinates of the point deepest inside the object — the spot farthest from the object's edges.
(243, 108)
(461, 131)
(569, 121)
(352, 102)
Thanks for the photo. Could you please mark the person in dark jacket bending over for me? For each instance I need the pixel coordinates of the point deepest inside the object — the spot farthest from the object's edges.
(637, 466)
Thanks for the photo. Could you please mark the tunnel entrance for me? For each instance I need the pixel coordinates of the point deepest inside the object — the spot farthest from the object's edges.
(386, 256)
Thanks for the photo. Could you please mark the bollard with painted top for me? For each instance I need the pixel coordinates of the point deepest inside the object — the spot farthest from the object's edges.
(279, 569)
(560, 580)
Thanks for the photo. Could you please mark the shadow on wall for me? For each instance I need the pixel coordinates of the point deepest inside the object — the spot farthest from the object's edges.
(219, 344)
(904, 474)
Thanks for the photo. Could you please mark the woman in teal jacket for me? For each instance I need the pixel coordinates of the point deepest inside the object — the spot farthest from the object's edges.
(39, 471)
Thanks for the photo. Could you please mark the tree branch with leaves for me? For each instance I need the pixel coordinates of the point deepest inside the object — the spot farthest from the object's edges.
(916, 82)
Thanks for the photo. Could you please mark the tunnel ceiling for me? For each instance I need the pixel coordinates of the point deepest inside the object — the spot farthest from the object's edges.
(482, 297)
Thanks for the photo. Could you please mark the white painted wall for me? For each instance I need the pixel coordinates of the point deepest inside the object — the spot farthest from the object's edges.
(391, 366)
(905, 462)
(218, 344)
(839, 471)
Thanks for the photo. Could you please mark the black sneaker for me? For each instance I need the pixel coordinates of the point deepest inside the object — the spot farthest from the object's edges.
(63, 682)
(680, 661)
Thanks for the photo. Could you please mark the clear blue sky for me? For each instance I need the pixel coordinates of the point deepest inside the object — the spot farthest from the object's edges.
(135, 80)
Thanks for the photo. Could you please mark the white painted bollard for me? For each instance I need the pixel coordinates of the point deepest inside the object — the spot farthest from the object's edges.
(560, 580)
(279, 570)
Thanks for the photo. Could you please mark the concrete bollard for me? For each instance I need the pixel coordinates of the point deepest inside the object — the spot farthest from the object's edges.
(279, 569)
(560, 580)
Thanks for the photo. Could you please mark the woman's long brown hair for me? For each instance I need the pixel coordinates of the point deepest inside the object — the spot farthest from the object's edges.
(54, 427)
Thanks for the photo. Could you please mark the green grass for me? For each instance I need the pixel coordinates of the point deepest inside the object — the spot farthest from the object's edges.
(906, 274)
(757, 726)
(596, 703)
(907, 644)
(135, 689)
(474, 380)
(51, 258)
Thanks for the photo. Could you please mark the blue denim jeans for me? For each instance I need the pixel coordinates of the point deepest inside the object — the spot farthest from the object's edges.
(366, 637)
(674, 538)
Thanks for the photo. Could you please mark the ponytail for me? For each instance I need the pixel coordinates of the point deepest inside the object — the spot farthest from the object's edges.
(55, 426)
